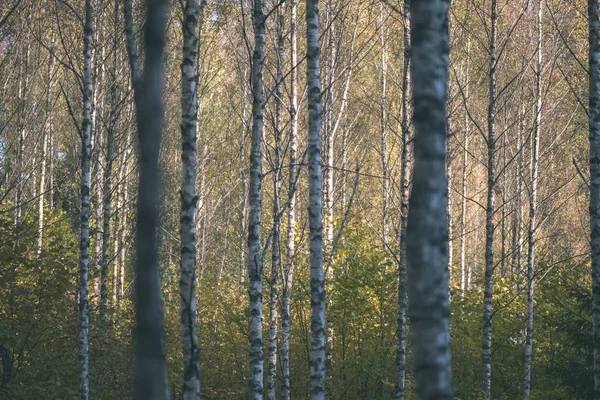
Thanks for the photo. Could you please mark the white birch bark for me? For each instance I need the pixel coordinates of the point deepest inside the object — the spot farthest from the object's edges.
(405, 175)
(187, 219)
(315, 206)
(465, 191)
(384, 122)
(23, 88)
(255, 262)
(533, 207)
(244, 214)
(45, 144)
(489, 219)
(107, 179)
(288, 274)
(276, 246)
(124, 214)
(117, 236)
(517, 244)
(84, 240)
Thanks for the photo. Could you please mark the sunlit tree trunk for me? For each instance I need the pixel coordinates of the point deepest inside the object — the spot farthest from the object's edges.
(187, 219)
(465, 191)
(328, 134)
(23, 89)
(533, 207)
(98, 57)
(449, 210)
(328, 141)
(405, 176)
(45, 144)
(84, 240)
(125, 213)
(517, 244)
(110, 144)
(427, 234)
(384, 121)
(244, 214)
(255, 262)
(288, 274)
(489, 215)
(276, 247)
(117, 235)
(315, 206)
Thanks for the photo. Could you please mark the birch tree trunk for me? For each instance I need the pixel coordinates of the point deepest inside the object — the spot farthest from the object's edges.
(187, 219)
(489, 215)
(255, 262)
(518, 204)
(594, 137)
(84, 240)
(329, 140)
(45, 143)
(244, 215)
(427, 234)
(383, 122)
(315, 206)
(151, 381)
(276, 248)
(97, 150)
(125, 215)
(23, 88)
(405, 174)
(117, 235)
(110, 142)
(465, 191)
(288, 274)
(328, 147)
(449, 207)
(533, 207)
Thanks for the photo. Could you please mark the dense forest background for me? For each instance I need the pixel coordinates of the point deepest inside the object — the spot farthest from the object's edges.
(540, 181)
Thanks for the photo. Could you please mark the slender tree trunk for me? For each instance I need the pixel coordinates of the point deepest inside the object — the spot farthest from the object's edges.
(465, 191)
(329, 137)
(52, 155)
(328, 173)
(187, 219)
(97, 149)
(125, 213)
(276, 249)
(23, 88)
(84, 242)
(291, 233)
(533, 207)
(449, 208)
(427, 235)
(255, 262)
(518, 204)
(315, 206)
(45, 143)
(383, 123)
(489, 218)
(201, 209)
(594, 137)
(110, 144)
(244, 215)
(405, 174)
(117, 236)
(151, 381)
